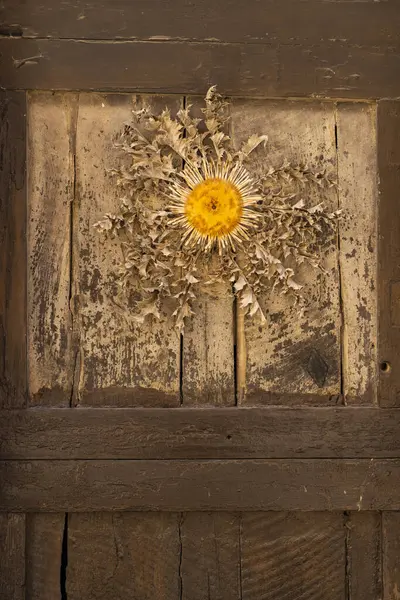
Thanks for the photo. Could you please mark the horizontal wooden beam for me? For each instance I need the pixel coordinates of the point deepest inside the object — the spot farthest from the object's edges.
(185, 485)
(331, 69)
(215, 433)
(367, 23)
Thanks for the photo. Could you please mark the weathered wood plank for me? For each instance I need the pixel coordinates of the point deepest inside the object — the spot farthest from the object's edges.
(13, 367)
(389, 253)
(117, 355)
(332, 69)
(208, 350)
(318, 485)
(122, 556)
(279, 554)
(364, 555)
(358, 191)
(51, 189)
(273, 21)
(12, 556)
(208, 371)
(199, 433)
(44, 538)
(210, 565)
(294, 353)
(390, 555)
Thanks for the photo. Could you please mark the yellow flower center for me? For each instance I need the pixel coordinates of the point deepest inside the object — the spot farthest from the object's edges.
(214, 207)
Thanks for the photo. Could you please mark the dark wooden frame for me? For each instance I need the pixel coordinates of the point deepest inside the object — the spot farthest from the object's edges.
(37, 62)
(271, 459)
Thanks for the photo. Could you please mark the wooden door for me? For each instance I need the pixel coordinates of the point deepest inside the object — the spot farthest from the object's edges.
(238, 461)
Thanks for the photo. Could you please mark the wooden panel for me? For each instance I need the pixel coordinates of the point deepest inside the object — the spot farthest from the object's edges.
(281, 21)
(208, 349)
(357, 173)
(44, 538)
(294, 353)
(210, 563)
(208, 376)
(122, 556)
(12, 556)
(342, 484)
(364, 556)
(332, 69)
(390, 554)
(287, 555)
(12, 250)
(200, 433)
(51, 189)
(389, 253)
(116, 354)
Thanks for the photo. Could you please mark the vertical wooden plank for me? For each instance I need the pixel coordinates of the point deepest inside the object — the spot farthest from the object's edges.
(358, 191)
(389, 253)
(364, 556)
(208, 371)
(210, 567)
(12, 556)
(51, 187)
(293, 353)
(292, 556)
(121, 363)
(13, 367)
(122, 556)
(208, 349)
(44, 538)
(390, 555)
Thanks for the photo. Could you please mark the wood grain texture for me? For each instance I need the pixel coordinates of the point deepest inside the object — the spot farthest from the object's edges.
(389, 253)
(208, 370)
(275, 21)
(364, 556)
(210, 563)
(294, 353)
(44, 536)
(280, 551)
(79, 486)
(208, 349)
(390, 555)
(122, 556)
(330, 69)
(358, 199)
(51, 189)
(13, 367)
(131, 363)
(216, 433)
(12, 556)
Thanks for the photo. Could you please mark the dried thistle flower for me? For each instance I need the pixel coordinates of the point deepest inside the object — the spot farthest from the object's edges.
(193, 210)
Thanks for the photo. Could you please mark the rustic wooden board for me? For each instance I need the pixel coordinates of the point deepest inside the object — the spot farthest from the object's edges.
(208, 349)
(332, 69)
(51, 189)
(279, 554)
(12, 556)
(132, 364)
(358, 199)
(13, 380)
(390, 555)
(318, 485)
(208, 370)
(364, 555)
(294, 353)
(199, 433)
(122, 556)
(389, 253)
(44, 538)
(210, 562)
(276, 21)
